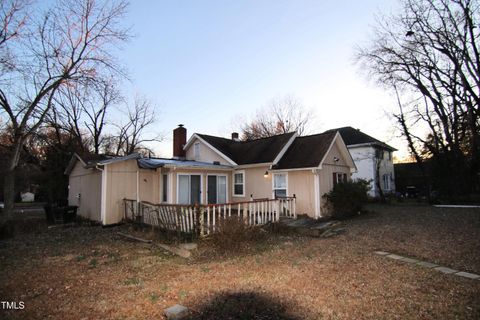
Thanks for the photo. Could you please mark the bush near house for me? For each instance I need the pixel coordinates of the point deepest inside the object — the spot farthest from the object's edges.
(346, 199)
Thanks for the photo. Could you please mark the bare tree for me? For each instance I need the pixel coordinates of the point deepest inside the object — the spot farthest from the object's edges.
(281, 115)
(13, 17)
(132, 135)
(430, 53)
(81, 110)
(69, 42)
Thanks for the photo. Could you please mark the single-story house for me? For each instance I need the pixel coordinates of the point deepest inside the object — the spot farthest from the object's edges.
(370, 155)
(209, 170)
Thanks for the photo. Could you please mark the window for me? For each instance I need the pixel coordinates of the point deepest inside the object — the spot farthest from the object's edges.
(196, 150)
(378, 153)
(239, 184)
(279, 185)
(339, 177)
(389, 155)
(164, 188)
(386, 178)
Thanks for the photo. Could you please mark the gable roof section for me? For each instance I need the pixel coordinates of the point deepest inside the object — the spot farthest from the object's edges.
(90, 161)
(263, 150)
(307, 151)
(153, 163)
(87, 161)
(352, 137)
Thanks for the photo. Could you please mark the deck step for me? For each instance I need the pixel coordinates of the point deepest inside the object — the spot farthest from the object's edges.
(313, 228)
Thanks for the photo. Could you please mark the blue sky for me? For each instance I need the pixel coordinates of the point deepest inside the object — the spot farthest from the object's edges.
(207, 63)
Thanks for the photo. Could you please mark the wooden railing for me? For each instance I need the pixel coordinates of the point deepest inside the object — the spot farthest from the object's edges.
(205, 219)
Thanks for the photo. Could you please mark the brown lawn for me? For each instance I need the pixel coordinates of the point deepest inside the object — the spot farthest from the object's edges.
(91, 273)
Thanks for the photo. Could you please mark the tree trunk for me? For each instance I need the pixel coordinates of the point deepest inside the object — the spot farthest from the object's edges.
(377, 182)
(8, 195)
(6, 216)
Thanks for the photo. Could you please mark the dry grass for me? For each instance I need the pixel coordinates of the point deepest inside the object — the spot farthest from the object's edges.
(88, 273)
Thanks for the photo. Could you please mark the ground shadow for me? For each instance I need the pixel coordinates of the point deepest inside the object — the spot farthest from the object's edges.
(243, 305)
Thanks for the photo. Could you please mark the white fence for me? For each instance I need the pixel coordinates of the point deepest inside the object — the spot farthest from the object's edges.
(205, 219)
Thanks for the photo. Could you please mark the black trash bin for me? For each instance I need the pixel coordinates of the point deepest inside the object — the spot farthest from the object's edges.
(64, 214)
(49, 213)
(69, 214)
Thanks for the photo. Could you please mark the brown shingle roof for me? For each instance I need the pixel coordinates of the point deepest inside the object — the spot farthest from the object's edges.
(307, 151)
(352, 136)
(249, 152)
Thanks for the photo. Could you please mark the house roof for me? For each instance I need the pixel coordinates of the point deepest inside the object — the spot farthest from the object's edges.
(90, 161)
(152, 163)
(263, 150)
(353, 137)
(307, 151)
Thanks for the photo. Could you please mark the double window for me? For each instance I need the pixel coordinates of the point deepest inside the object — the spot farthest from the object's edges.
(339, 177)
(279, 185)
(239, 184)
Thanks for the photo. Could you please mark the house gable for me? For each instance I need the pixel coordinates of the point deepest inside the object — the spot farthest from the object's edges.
(259, 151)
(338, 154)
(206, 153)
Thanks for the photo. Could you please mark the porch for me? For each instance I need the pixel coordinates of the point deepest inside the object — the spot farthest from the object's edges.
(202, 220)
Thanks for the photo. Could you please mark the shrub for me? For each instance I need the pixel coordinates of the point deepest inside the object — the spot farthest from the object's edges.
(346, 199)
(233, 234)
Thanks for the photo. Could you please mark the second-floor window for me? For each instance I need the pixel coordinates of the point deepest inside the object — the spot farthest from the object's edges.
(196, 150)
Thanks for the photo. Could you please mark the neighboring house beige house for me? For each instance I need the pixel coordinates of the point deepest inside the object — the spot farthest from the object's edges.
(210, 170)
(373, 159)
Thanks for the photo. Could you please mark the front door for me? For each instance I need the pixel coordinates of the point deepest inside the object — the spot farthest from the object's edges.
(189, 189)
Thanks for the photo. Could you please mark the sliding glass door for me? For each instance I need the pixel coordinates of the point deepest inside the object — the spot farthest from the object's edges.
(189, 189)
(216, 189)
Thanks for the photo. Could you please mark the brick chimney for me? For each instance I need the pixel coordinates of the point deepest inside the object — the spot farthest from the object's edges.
(235, 136)
(179, 141)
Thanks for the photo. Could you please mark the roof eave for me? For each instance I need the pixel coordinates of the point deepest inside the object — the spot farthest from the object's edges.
(73, 161)
(287, 145)
(367, 144)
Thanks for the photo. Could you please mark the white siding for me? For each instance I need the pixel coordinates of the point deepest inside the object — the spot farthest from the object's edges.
(364, 158)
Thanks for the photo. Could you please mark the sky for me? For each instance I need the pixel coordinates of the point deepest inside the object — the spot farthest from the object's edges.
(206, 64)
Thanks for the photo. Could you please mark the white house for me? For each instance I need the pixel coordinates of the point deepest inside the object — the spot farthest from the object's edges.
(372, 158)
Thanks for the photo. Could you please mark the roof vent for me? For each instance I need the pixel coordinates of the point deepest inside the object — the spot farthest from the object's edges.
(217, 163)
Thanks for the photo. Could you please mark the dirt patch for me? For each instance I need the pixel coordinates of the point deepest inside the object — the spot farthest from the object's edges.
(88, 272)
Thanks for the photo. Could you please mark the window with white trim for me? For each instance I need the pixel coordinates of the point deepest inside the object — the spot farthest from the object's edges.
(386, 182)
(239, 184)
(280, 185)
(339, 177)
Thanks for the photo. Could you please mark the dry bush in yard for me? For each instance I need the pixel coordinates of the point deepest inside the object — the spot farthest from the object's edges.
(233, 234)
